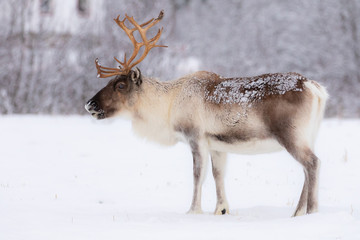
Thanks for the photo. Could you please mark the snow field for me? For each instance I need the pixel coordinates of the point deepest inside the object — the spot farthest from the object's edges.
(77, 178)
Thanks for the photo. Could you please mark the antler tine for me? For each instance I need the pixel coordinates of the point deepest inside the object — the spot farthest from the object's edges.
(104, 72)
(121, 63)
(146, 23)
(156, 38)
(158, 19)
(161, 15)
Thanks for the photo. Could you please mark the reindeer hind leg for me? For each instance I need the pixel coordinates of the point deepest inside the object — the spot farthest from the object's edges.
(302, 152)
(308, 202)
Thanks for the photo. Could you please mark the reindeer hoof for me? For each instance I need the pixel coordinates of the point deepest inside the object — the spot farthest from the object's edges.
(222, 209)
(299, 212)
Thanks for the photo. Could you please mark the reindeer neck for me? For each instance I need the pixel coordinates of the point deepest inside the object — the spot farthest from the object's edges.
(151, 118)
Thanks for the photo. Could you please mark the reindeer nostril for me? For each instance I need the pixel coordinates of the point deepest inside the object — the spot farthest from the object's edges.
(92, 106)
(95, 106)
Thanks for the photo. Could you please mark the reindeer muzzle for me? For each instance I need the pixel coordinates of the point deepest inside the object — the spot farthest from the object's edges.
(93, 108)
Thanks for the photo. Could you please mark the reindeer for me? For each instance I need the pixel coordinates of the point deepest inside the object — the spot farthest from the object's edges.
(216, 115)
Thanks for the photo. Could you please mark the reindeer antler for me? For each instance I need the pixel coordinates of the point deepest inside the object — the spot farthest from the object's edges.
(125, 67)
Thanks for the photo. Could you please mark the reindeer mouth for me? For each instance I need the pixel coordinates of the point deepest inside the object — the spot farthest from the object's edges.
(93, 108)
(99, 115)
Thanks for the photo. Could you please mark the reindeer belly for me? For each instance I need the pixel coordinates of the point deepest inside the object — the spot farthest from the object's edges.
(252, 146)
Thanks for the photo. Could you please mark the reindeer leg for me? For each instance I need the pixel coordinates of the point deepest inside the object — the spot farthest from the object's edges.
(218, 160)
(200, 159)
(313, 168)
(308, 202)
(302, 152)
(302, 204)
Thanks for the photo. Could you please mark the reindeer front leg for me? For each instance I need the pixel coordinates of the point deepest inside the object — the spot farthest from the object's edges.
(218, 160)
(200, 159)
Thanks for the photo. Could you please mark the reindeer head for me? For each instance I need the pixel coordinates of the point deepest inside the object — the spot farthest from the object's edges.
(117, 94)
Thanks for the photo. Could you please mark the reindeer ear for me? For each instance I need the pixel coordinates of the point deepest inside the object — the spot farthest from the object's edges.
(136, 77)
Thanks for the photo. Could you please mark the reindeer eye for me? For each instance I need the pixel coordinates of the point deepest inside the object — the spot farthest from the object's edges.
(121, 86)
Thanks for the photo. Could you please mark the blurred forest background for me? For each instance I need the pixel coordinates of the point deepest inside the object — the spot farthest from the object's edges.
(48, 47)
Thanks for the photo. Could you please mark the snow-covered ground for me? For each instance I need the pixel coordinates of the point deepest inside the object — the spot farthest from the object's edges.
(77, 178)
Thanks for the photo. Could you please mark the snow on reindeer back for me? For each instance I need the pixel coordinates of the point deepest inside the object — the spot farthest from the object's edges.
(252, 89)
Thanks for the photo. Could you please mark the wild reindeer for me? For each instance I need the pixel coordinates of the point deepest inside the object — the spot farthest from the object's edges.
(216, 115)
